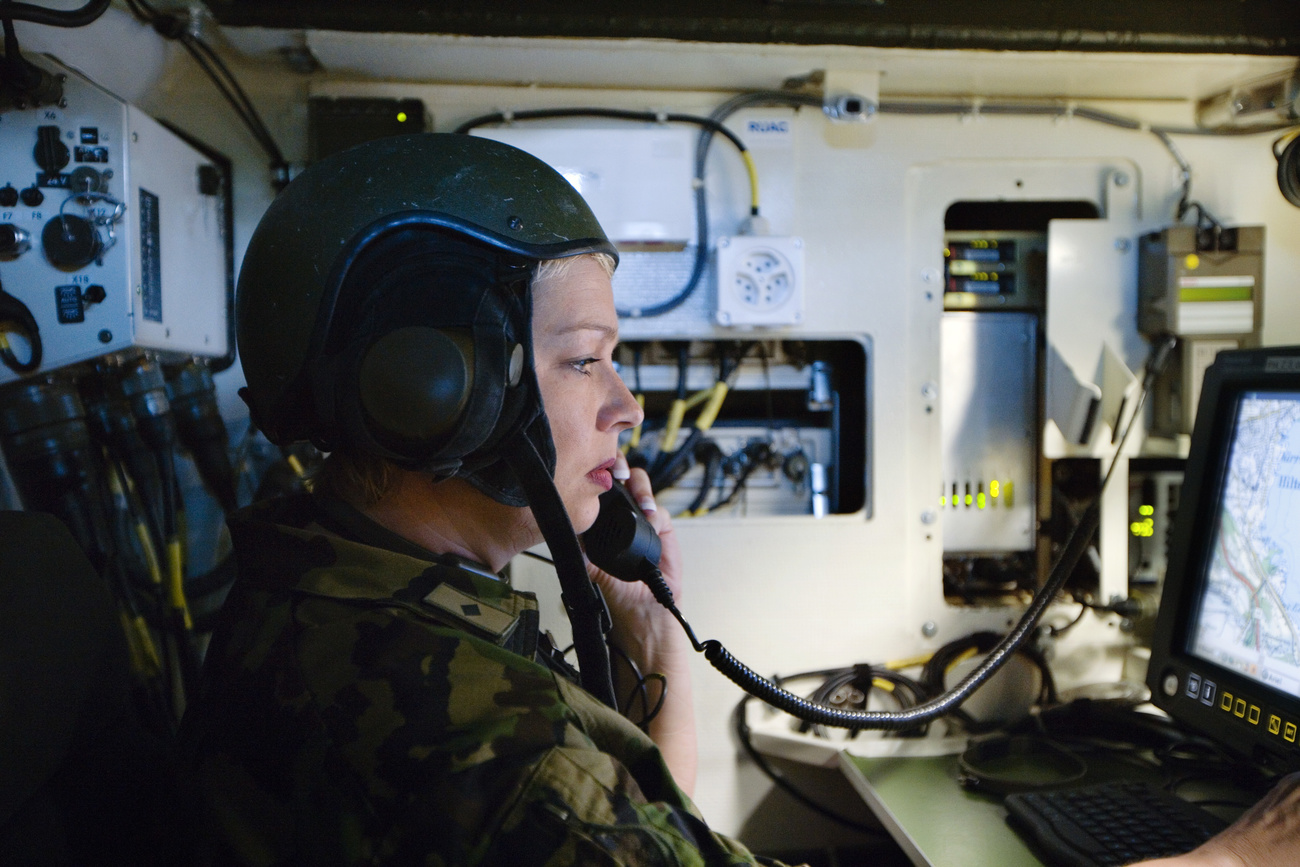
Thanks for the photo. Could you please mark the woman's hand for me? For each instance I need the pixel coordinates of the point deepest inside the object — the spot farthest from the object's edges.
(653, 639)
(632, 599)
(1266, 835)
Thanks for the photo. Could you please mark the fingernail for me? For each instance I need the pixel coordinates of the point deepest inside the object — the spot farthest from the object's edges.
(647, 504)
(621, 470)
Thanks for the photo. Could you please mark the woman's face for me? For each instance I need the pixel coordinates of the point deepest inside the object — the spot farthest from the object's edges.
(575, 330)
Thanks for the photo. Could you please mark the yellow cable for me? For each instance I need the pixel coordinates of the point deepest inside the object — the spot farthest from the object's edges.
(145, 660)
(709, 414)
(909, 661)
(960, 658)
(295, 465)
(753, 180)
(176, 583)
(668, 441)
(881, 683)
(150, 553)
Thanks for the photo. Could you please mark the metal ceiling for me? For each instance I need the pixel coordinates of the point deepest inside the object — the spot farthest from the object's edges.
(1268, 27)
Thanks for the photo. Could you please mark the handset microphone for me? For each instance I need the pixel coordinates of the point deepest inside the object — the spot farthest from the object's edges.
(622, 542)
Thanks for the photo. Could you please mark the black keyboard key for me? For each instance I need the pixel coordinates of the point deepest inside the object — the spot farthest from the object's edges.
(1108, 824)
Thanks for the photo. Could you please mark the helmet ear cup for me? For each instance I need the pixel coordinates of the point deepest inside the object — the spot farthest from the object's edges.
(414, 384)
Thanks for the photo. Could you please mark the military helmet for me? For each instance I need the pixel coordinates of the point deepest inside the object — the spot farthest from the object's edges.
(378, 220)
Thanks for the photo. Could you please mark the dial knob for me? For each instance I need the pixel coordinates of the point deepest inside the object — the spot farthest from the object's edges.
(70, 242)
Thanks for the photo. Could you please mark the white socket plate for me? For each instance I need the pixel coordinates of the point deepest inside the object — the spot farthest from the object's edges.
(760, 280)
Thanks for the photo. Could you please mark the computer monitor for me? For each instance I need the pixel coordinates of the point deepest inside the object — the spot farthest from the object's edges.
(1225, 656)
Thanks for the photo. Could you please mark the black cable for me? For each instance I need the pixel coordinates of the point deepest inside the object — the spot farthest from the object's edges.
(175, 27)
(711, 127)
(55, 17)
(13, 312)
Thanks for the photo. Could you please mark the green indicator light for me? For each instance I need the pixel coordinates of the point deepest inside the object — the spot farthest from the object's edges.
(1135, 528)
(1146, 510)
(979, 500)
(968, 500)
(994, 487)
(943, 501)
(401, 117)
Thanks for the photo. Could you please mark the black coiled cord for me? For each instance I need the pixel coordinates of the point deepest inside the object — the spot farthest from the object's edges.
(782, 699)
(1288, 169)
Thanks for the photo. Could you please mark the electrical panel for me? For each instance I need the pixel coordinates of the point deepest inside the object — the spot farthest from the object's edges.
(1201, 284)
(746, 429)
(1006, 271)
(988, 500)
(995, 289)
(1206, 286)
(113, 232)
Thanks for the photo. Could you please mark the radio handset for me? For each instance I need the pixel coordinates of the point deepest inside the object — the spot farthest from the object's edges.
(622, 542)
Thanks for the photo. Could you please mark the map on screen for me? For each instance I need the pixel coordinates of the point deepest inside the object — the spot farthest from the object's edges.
(1249, 618)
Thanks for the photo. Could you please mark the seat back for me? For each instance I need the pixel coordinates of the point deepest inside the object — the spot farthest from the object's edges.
(82, 780)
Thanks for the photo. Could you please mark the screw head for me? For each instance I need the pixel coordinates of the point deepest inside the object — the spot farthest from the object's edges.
(105, 336)
(516, 224)
(929, 629)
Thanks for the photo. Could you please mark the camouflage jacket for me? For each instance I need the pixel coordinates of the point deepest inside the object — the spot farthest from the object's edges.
(367, 702)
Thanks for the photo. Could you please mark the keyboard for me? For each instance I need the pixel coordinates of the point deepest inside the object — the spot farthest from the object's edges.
(1108, 824)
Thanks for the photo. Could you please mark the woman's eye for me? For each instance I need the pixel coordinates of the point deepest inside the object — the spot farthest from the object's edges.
(582, 365)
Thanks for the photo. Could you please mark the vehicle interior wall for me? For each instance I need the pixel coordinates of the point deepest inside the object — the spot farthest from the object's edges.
(789, 593)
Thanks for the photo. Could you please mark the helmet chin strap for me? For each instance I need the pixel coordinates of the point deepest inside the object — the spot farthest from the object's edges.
(588, 614)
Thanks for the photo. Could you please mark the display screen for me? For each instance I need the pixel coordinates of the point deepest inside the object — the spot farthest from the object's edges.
(1247, 615)
(984, 266)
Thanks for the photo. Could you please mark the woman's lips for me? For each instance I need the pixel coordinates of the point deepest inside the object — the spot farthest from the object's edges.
(602, 475)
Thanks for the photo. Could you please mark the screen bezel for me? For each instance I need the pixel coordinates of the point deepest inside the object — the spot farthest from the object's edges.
(1233, 375)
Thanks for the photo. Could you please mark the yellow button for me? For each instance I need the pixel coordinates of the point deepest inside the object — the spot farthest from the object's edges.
(1289, 733)
(1225, 701)
(1239, 709)
(1274, 724)
(1192, 261)
(1253, 717)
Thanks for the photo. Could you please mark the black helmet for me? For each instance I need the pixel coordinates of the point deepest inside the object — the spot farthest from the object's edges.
(384, 219)
(383, 305)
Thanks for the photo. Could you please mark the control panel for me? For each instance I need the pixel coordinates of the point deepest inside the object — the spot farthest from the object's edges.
(1226, 705)
(112, 234)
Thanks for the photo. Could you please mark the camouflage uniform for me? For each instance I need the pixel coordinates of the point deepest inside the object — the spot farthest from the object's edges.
(367, 702)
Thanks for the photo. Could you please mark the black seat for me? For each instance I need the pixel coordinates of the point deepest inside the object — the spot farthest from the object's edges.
(82, 781)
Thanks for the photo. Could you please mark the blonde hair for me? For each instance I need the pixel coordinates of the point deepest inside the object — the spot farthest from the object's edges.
(363, 479)
(555, 269)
